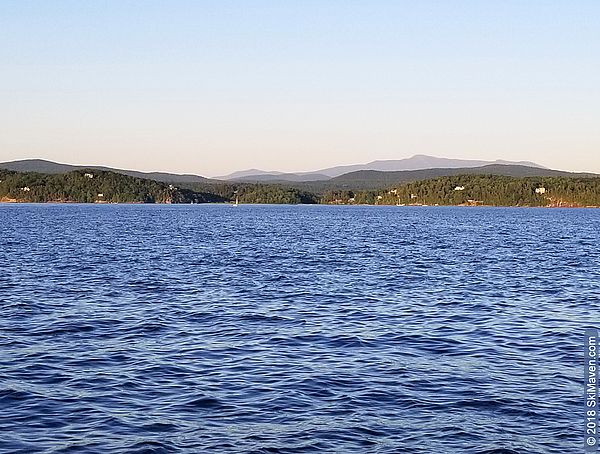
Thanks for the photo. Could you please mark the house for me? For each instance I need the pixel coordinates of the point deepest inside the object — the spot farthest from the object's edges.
(541, 190)
(25, 189)
(459, 188)
(474, 202)
(100, 194)
(89, 175)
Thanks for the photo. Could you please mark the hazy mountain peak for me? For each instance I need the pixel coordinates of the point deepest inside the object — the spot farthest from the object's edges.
(415, 162)
(247, 173)
(418, 162)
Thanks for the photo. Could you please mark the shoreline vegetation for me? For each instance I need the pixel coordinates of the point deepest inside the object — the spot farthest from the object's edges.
(98, 186)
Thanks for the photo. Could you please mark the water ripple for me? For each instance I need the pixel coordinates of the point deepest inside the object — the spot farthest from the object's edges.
(263, 329)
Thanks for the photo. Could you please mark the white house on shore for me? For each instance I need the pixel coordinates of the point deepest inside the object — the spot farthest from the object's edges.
(541, 190)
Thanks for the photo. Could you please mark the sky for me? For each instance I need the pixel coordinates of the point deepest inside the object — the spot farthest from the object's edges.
(211, 87)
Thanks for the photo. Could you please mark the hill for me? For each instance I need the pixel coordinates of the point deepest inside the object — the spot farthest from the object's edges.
(490, 190)
(368, 179)
(93, 186)
(100, 186)
(50, 167)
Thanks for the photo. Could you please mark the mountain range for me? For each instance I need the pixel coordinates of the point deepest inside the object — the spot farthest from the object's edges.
(416, 162)
(373, 175)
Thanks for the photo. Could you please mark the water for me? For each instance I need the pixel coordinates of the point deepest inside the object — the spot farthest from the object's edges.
(286, 329)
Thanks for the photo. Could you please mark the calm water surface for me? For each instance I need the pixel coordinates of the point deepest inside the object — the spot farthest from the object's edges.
(287, 329)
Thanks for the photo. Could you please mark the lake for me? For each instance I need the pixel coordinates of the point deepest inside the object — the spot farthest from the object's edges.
(287, 329)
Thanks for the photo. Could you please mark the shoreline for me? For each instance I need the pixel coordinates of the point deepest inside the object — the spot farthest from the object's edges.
(6, 201)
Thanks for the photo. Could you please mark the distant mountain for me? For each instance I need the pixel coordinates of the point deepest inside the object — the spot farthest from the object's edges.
(419, 162)
(416, 162)
(256, 175)
(247, 173)
(375, 179)
(280, 177)
(43, 166)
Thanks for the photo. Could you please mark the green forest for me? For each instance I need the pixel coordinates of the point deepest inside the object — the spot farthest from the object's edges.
(93, 186)
(488, 190)
(97, 186)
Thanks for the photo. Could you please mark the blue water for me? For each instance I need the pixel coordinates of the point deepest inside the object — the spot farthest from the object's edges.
(287, 329)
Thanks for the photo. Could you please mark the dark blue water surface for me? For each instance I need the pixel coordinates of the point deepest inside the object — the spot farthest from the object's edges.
(286, 329)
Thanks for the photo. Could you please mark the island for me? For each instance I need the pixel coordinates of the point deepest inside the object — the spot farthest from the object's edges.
(101, 186)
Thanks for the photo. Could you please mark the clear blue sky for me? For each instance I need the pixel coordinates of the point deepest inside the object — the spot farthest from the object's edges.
(214, 86)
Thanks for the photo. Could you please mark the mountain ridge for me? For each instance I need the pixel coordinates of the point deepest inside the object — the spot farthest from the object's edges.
(51, 167)
(359, 179)
(376, 180)
(415, 162)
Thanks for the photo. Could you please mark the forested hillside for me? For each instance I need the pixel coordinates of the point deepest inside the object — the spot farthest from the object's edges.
(95, 186)
(89, 186)
(493, 190)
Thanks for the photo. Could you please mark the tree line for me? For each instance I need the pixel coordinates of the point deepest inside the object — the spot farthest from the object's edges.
(490, 190)
(97, 186)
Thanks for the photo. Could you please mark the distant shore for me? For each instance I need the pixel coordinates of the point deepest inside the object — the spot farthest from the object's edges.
(8, 201)
(104, 187)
